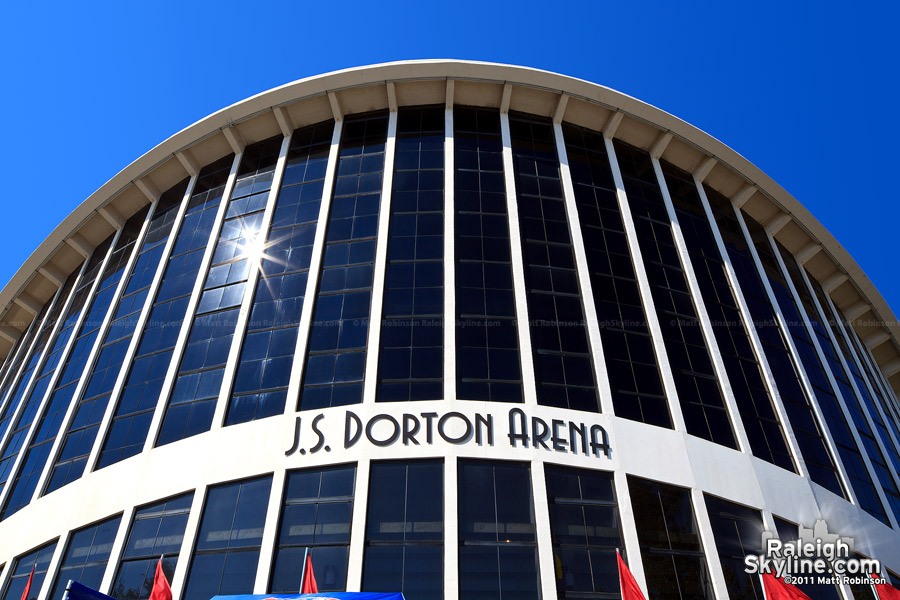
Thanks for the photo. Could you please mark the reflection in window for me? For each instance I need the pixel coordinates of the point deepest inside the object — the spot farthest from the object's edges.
(563, 369)
(487, 343)
(43, 376)
(789, 532)
(405, 530)
(336, 361)
(754, 403)
(634, 378)
(818, 379)
(267, 354)
(79, 440)
(738, 532)
(806, 427)
(318, 504)
(497, 543)
(21, 570)
(196, 389)
(412, 331)
(699, 394)
(673, 558)
(585, 528)
(157, 530)
(134, 412)
(86, 557)
(227, 550)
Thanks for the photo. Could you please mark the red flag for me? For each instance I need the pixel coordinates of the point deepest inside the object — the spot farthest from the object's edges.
(887, 592)
(776, 589)
(161, 589)
(308, 585)
(27, 589)
(629, 587)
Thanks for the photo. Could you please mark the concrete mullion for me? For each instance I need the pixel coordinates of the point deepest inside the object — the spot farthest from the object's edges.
(450, 324)
(270, 531)
(115, 553)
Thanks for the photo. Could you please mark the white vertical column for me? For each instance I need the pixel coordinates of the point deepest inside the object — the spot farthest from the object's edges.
(581, 266)
(384, 220)
(798, 364)
(529, 387)
(53, 567)
(25, 347)
(708, 542)
(451, 527)
(115, 553)
(143, 316)
(315, 265)
(358, 525)
(450, 324)
(95, 351)
(191, 531)
(546, 567)
(243, 317)
(629, 529)
(750, 328)
(873, 382)
(270, 532)
(175, 361)
(57, 371)
(640, 272)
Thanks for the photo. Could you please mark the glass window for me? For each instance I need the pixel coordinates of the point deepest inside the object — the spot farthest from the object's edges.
(157, 529)
(815, 371)
(86, 557)
(264, 368)
(336, 360)
(137, 403)
(227, 550)
(806, 427)
(789, 532)
(585, 528)
(631, 365)
(738, 532)
(82, 431)
(21, 569)
(488, 365)
(497, 543)
(411, 359)
(318, 507)
(405, 530)
(674, 562)
(563, 368)
(699, 393)
(751, 395)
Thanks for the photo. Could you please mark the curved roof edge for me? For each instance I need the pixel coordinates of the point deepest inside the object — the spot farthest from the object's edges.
(439, 69)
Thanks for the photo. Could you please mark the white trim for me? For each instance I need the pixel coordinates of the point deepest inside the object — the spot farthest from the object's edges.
(191, 533)
(451, 527)
(708, 544)
(271, 527)
(358, 523)
(117, 550)
(543, 539)
(449, 260)
(53, 566)
(629, 528)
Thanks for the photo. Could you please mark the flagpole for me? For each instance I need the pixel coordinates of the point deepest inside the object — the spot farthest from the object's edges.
(303, 570)
(762, 585)
(66, 593)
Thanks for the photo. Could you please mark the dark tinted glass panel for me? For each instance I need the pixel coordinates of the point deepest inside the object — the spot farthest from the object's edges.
(193, 398)
(39, 560)
(227, 549)
(497, 543)
(318, 504)
(855, 396)
(157, 529)
(131, 420)
(487, 341)
(260, 387)
(634, 377)
(563, 368)
(82, 431)
(699, 394)
(411, 359)
(806, 427)
(86, 556)
(585, 528)
(95, 309)
(405, 530)
(45, 372)
(674, 563)
(754, 403)
(738, 532)
(795, 319)
(788, 532)
(336, 360)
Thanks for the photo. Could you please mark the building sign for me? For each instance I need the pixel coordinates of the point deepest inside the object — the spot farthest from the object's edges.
(518, 430)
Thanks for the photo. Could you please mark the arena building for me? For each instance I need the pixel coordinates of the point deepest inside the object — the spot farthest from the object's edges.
(461, 329)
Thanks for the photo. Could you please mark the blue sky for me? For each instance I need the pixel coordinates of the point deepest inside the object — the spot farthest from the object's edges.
(90, 87)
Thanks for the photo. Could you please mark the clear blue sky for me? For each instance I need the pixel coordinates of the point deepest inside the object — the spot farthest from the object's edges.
(90, 87)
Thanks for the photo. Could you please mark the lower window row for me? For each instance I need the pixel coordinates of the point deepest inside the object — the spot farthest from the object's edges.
(404, 537)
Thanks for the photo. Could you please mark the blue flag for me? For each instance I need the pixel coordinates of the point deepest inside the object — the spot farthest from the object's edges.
(76, 591)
